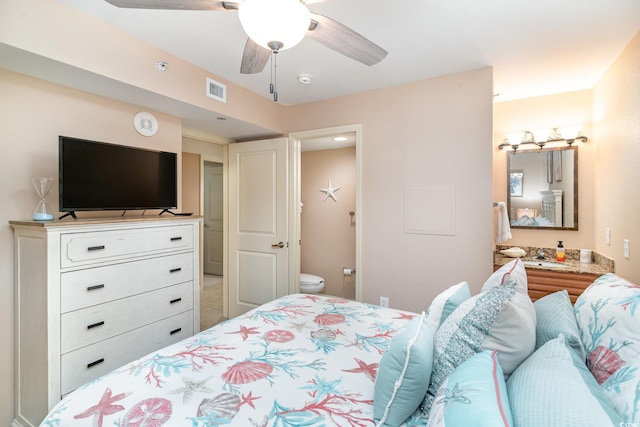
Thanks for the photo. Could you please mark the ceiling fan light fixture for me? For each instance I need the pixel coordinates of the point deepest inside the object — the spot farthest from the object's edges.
(269, 23)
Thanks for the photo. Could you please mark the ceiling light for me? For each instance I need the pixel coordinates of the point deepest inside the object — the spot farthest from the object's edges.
(540, 138)
(305, 79)
(340, 138)
(275, 24)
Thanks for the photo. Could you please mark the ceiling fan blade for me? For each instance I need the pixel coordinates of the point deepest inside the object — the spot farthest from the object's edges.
(344, 40)
(175, 4)
(254, 58)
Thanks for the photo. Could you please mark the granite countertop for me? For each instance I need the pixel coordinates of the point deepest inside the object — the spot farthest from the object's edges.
(600, 264)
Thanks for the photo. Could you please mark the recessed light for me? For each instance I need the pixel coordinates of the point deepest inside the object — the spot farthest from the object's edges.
(340, 138)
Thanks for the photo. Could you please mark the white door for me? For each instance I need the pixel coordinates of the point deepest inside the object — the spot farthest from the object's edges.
(258, 244)
(213, 224)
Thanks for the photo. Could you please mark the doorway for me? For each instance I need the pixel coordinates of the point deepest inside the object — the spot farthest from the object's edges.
(347, 277)
(212, 295)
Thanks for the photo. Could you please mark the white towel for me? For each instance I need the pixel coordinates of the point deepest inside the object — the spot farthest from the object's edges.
(503, 230)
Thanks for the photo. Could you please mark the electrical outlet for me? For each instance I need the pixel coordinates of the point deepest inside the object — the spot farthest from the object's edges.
(384, 302)
(607, 236)
(626, 248)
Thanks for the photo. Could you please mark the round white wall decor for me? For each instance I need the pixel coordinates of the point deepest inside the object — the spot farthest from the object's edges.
(145, 123)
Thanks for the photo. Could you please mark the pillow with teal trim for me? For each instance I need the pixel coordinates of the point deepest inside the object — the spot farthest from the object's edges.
(555, 316)
(502, 318)
(608, 315)
(403, 373)
(553, 387)
(444, 304)
(475, 394)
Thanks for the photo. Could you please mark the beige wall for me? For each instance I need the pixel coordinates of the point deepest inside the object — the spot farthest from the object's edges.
(616, 100)
(431, 133)
(33, 113)
(328, 231)
(542, 112)
(54, 31)
(191, 183)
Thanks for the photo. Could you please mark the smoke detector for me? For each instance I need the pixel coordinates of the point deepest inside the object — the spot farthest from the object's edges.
(305, 79)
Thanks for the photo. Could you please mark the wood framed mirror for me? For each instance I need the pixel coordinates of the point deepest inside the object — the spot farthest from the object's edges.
(542, 188)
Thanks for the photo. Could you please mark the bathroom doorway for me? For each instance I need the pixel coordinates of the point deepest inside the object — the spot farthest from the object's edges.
(327, 193)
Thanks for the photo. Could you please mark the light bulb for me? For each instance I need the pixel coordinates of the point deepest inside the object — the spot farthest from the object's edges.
(275, 24)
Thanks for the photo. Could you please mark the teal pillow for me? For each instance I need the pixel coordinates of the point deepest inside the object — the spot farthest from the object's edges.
(444, 304)
(555, 316)
(475, 394)
(553, 387)
(403, 373)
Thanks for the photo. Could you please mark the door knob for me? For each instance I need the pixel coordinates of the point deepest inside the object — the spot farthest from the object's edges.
(278, 245)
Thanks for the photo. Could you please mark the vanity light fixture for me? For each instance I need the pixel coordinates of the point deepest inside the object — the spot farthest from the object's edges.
(541, 137)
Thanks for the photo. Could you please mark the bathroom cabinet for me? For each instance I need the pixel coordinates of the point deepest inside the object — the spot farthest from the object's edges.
(543, 282)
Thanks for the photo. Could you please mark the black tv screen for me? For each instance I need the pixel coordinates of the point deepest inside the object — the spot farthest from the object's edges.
(101, 176)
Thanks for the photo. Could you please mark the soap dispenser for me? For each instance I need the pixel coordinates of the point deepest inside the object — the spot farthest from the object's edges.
(560, 252)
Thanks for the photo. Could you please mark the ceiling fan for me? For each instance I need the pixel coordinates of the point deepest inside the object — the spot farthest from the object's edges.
(274, 25)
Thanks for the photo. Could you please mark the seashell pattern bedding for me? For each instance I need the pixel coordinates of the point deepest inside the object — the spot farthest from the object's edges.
(299, 360)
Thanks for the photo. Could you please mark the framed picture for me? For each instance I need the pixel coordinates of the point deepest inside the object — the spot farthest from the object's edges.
(515, 183)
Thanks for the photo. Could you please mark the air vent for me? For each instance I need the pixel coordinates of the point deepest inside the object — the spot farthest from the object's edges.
(216, 90)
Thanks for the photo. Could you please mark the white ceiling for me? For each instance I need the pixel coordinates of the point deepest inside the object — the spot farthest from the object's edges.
(536, 47)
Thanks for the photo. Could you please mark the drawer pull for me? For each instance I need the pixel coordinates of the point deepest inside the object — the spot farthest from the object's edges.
(175, 270)
(173, 301)
(94, 287)
(97, 362)
(95, 248)
(95, 325)
(175, 331)
(173, 239)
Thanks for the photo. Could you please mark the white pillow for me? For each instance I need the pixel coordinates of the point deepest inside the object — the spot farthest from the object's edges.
(608, 315)
(514, 270)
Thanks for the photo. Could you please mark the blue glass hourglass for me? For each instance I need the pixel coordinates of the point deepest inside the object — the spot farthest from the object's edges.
(42, 186)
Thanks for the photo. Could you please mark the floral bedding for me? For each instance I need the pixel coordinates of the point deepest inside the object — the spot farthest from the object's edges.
(301, 360)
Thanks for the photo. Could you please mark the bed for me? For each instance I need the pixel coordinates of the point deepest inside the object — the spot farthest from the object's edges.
(299, 360)
(494, 359)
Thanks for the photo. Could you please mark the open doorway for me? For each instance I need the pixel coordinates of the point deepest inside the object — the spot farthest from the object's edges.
(318, 159)
(212, 295)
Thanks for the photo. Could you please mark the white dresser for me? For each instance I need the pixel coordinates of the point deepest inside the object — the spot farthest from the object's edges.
(92, 295)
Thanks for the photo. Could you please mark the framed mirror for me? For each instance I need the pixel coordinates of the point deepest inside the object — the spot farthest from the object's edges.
(542, 188)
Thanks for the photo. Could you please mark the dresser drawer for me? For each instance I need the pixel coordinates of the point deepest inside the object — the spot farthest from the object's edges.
(84, 288)
(83, 365)
(92, 324)
(99, 246)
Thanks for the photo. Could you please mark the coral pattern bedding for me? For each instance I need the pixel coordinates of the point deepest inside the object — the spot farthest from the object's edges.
(301, 360)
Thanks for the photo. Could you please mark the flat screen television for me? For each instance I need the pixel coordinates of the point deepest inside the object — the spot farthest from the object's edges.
(102, 176)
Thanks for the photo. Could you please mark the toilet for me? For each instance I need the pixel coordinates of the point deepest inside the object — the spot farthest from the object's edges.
(311, 284)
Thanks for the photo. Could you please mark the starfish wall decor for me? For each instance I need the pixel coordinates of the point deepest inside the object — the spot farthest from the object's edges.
(330, 192)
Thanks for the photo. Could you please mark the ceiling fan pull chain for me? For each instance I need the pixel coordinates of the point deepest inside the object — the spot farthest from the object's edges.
(271, 87)
(275, 76)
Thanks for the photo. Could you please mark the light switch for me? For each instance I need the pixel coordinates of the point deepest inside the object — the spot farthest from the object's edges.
(607, 236)
(626, 248)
